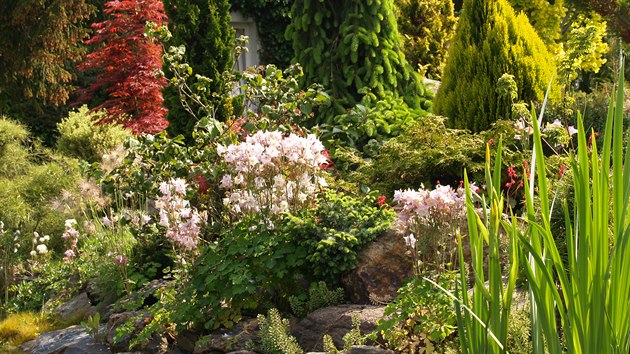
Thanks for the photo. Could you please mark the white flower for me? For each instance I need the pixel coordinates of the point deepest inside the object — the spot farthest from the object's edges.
(33, 253)
(410, 240)
(42, 249)
(71, 223)
(46, 238)
(572, 130)
(42, 240)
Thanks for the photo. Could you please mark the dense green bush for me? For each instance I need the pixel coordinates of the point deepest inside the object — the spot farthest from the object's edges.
(426, 27)
(82, 136)
(334, 231)
(491, 40)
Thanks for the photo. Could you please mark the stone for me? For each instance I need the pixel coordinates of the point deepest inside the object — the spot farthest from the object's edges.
(73, 311)
(335, 321)
(383, 265)
(237, 339)
(71, 340)
(368, 349)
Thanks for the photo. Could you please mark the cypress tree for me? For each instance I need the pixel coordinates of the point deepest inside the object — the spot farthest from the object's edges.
(491, 40)
(203, 26)
(352, 48)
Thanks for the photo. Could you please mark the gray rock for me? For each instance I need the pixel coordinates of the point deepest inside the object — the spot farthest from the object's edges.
(382, 268)
(71, 340)
(235, 340)
(335, 321)
(73, 311)
(368, 349)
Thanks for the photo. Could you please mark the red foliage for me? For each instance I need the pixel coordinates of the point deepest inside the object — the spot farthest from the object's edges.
(127, 63)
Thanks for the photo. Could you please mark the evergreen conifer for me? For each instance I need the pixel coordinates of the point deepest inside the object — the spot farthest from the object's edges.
(491, 40)
(353, 49)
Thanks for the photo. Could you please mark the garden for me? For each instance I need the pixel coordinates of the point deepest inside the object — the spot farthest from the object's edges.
(394, 176)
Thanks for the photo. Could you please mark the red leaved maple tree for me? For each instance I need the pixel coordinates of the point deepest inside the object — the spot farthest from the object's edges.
(127, 63)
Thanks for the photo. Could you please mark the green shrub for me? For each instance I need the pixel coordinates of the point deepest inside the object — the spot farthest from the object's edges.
(423, 154)
(350, 339)
(426, 27)
(14, 155)
(491, 40)
(82, 136)
(275, 336)
(334, 231)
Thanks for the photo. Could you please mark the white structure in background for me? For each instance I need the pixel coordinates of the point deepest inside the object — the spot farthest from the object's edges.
(245, 26)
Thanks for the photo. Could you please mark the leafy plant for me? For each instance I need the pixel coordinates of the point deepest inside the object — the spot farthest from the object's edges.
(274, 335)
(352, 338)
(92, 325)
(421, 316)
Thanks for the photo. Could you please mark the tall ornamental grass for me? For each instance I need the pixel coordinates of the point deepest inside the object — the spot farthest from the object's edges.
(583, 307)
(590, 297)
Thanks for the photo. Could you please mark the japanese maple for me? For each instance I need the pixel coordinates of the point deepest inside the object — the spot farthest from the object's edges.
(127, 63)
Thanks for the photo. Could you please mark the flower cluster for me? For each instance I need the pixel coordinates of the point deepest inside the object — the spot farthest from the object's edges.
(432, 214)
(71, 237)
(270, 173)
(431, 207)
(39, 244)
(182, 222)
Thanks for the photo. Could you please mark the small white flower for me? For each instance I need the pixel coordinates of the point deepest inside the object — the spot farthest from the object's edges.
(46, 238)
(572, 130)
(42, 240)
(410, 240)
(33, 253)
(42, 249)
(70, 223)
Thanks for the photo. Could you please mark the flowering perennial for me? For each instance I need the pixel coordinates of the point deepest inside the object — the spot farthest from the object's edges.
(270, 173)
(426, 218)
(71, 237)
(182, 223)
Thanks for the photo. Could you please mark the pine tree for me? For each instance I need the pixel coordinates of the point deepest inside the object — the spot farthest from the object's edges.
(427, 27)
(39, 39)
(128, 63)
(491, 41)
(203, 26)
(352, 48)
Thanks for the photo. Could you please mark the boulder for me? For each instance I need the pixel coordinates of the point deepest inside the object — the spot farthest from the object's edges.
(73, 311)
(71, 340)
(382, 267)
(368, 349)
(335, 321)
(237, 339)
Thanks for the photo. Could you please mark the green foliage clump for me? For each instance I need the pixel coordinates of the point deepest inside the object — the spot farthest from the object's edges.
(423, 154)
(353, 48)
(421, 316)
(545, 16)
(334, 231)
(491, 40)
(203, 26)
(82, 136)
(519, 340)
(319, 296)
(275, 336)
(427, 27)
(583, 49)
(249, 265)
